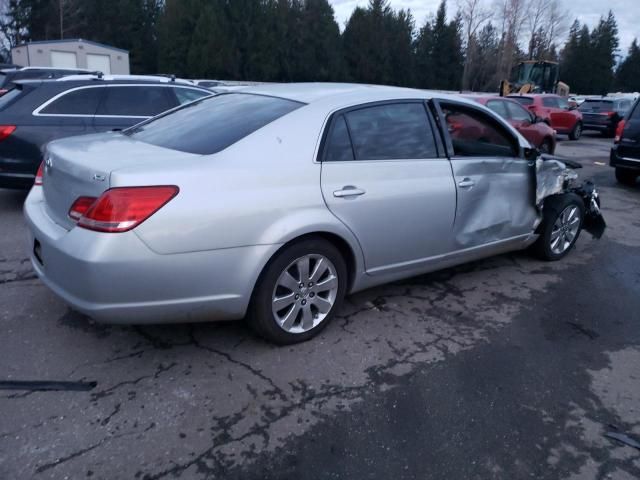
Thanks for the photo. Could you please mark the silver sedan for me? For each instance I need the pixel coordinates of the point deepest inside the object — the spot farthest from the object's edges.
(273, 202)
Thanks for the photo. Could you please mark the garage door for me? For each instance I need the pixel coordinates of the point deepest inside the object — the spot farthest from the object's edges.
(99, 62)
(63, 59)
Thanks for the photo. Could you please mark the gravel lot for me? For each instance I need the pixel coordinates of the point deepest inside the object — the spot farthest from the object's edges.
(504, 368)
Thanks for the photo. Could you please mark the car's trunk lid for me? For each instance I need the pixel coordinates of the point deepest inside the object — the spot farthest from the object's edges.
(82, 166)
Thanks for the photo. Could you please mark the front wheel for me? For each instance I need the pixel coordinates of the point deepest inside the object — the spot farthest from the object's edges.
(561, 225)
(576, 133)
(299, 292)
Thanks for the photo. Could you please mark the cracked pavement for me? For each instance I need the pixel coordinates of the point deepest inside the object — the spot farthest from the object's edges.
(504, 368)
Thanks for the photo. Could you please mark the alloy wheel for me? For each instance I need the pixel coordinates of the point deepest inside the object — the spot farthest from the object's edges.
(305, 293)
(565, 229)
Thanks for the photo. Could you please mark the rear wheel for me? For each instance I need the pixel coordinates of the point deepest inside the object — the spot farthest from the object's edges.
(561, 225)
(626, 176)
(299, 292)
(576, 133)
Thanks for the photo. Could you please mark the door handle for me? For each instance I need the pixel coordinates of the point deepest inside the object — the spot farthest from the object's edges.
(466, 183)
(348, 191)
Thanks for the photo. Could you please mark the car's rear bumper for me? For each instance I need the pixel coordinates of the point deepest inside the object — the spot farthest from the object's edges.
(618, 161)
(116, 278)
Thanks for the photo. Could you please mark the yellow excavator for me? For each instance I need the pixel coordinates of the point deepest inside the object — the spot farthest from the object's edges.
(535, 76)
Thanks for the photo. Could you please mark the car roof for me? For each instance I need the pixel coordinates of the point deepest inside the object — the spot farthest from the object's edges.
(336, 94)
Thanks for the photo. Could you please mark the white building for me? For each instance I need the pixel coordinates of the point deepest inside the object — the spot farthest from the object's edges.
(72, 53)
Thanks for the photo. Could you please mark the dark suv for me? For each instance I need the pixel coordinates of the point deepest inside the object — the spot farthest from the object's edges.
(625, 154)
(603, 114)
(36, 112)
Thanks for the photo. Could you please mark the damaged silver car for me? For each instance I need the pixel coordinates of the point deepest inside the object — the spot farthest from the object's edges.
(272, 203)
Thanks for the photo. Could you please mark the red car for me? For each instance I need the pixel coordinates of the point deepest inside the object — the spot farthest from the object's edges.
(555, 110)
(538, 133)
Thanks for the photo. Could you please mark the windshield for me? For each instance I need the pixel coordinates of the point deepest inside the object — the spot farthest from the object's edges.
(210, 125)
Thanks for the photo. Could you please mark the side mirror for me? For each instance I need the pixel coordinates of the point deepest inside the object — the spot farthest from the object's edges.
(531, 153)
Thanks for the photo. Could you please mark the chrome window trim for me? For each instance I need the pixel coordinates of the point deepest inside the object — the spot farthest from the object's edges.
(37, 111)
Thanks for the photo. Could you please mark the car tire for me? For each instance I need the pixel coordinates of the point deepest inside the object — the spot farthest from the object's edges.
(626, 176)
(561, 226)
(546, 146)
(308, 302)
(576, 133)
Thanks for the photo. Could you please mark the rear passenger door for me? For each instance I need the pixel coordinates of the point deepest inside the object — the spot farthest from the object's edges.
(70, 112)
(125, 105)
(385, 178)
(495, 186)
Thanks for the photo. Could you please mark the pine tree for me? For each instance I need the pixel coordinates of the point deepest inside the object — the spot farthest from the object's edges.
(628, 74)
(439, 57)
(604, 39)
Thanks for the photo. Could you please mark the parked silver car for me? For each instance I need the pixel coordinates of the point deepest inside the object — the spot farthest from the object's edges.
(274, 202)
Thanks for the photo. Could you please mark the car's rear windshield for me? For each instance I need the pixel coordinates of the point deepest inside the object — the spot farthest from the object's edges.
(596, 105)
(523, 100)
(212, 124)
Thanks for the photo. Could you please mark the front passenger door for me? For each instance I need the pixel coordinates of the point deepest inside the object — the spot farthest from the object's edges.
(495, 186)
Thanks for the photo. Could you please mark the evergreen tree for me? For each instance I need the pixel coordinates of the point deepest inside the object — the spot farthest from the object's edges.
(628, 74)
(483, 75)
(321, 55)
(604, 40)
(439, 56)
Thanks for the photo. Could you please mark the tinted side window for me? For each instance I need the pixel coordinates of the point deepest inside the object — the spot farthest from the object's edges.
(499, 107)
(135, 101)
(213, 123)
(474, 134)
(550, 102)
(338, 146)
(186, 95)
(517, 112)
(76, 102)
(394, 131)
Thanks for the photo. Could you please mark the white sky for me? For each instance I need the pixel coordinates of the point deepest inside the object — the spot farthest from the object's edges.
(627, 13)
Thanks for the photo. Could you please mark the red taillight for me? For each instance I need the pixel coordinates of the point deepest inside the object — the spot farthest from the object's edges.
(80, 207)
(6, 130)
(3, 91)
(38, 179)
(619, 130)
(610, 114)
(123, 208)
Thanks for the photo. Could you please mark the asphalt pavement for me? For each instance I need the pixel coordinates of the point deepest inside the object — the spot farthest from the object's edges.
(505, 368)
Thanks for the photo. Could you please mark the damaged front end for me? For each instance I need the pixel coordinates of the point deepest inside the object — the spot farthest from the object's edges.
(556, 176)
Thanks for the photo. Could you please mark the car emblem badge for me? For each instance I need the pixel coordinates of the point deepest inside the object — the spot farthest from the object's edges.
(48, 162)
(99, 178)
